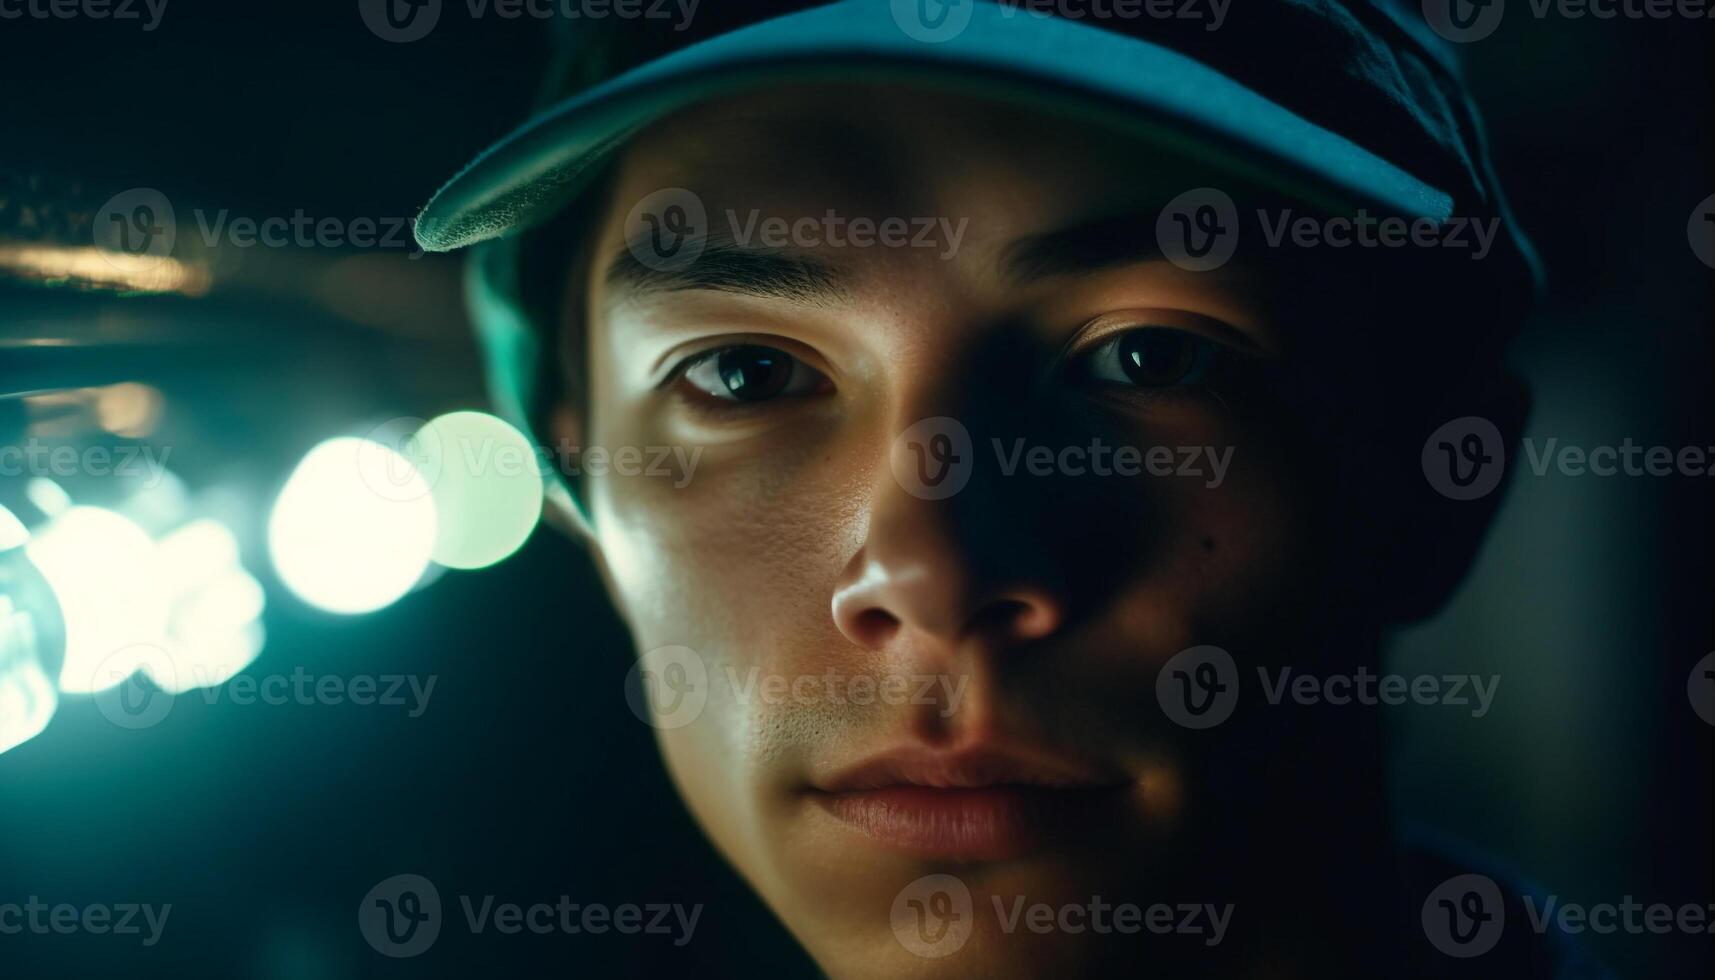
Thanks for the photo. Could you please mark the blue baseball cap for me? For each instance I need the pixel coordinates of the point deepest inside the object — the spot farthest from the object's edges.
(1345, 105)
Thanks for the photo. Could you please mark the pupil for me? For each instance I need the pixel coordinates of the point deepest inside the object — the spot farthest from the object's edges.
(754, 373)
(1157, 357)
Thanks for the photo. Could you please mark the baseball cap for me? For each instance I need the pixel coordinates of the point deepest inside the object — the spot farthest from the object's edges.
(1344, 105)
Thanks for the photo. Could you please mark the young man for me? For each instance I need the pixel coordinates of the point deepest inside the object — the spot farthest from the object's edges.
(1026, 435)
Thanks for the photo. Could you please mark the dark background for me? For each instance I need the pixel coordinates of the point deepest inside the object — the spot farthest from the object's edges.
(527, 777)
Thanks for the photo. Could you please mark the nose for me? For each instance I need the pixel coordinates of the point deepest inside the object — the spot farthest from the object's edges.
(915, 577)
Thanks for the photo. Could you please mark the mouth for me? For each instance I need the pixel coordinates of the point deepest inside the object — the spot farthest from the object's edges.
(969, 806)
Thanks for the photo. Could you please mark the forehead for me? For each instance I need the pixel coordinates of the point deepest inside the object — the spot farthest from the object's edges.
(899, 150)
(995, 210)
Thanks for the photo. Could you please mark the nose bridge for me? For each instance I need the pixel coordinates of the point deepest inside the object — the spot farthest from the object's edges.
(939, 561)
(914, 563)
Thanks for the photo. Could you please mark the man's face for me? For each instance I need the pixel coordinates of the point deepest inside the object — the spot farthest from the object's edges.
(888, 679)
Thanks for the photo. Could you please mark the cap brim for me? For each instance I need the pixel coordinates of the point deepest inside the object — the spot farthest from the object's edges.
(1010, 53)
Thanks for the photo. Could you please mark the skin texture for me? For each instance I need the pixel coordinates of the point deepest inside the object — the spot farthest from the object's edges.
(1048, 603)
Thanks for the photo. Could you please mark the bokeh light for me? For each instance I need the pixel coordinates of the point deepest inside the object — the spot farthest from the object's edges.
(353, 528)
(487, 486)
(27, 697)
(214, 624)
(101, 567)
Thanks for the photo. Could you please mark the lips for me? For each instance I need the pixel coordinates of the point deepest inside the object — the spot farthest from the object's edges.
(969, 806)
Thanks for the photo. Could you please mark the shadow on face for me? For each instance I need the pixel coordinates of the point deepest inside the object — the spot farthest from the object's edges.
(954, 461)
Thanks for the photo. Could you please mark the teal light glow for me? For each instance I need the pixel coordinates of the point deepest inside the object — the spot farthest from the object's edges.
(354, 527)
(101, 567)
(487, 486)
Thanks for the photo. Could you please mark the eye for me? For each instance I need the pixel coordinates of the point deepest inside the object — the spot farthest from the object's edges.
(750, 373)
(1151, 358)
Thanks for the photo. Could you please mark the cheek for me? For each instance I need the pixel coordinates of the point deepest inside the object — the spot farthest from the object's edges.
(739, 565)
(1213, 535)
(740, 556)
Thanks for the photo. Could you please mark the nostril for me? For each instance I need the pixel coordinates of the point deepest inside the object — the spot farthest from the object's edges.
(874, 627)
(1018, 618)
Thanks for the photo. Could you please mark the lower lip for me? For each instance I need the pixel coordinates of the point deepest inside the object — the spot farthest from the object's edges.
(993, 823)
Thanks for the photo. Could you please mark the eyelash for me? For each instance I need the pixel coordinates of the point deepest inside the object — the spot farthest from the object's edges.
(1208, 357)
(680, 377)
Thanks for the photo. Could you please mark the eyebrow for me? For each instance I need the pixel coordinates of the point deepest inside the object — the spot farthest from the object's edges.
(1110, 240)
(774, 273)
(726, 266)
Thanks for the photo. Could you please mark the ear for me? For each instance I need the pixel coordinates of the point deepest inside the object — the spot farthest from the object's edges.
(568, 515)
(1432, 537)
(564, 512)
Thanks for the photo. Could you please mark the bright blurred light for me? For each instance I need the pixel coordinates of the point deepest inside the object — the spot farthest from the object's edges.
(47, 496)
(213, 625)
(101, 567)
(117, 270)
(487, 486)
(354, 527)
(128, 409)
(12, 531)
(27, 698)
(195, 552)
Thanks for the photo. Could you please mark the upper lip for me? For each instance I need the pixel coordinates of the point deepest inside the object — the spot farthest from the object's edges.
(967, 769)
